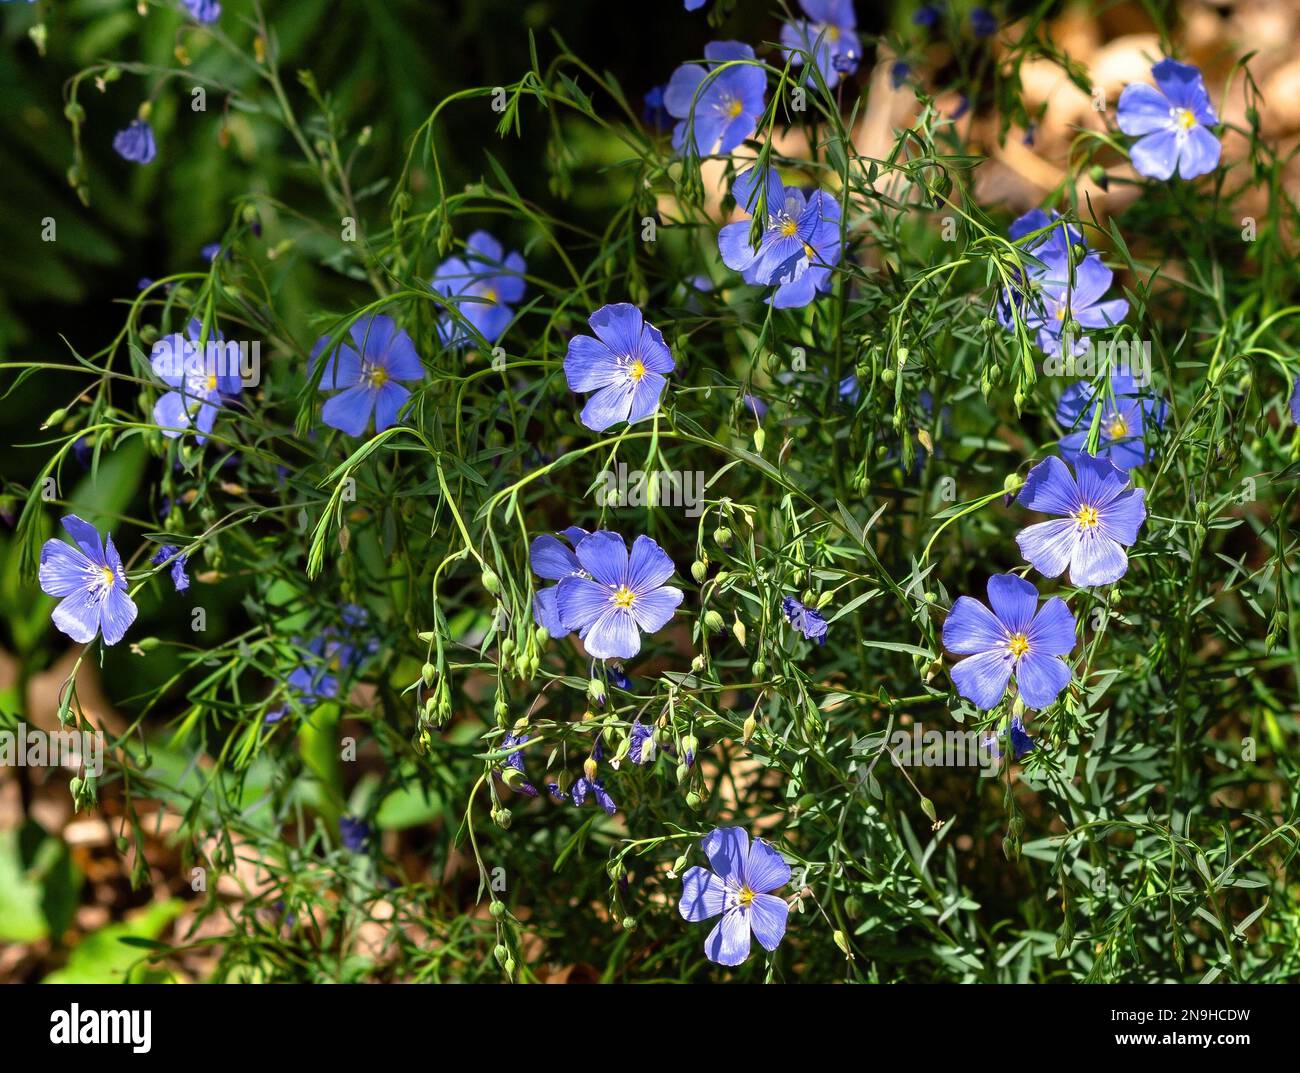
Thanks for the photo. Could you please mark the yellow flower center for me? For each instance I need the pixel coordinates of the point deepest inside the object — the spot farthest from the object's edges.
(1186, 119)
(623, 596)
(377, 375)
(746, 896)
(110, 578)
(1118, 428)
(1086, 517)
(636, 370)
(789, 227)
(832, 33)
(212, 381)
(1018, 645)
(490, 293)
(733, 107)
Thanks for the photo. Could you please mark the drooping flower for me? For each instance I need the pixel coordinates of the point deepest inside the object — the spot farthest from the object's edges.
(135, 142)
(1021, 742)
(354, 832)
(739, 888)
(550, 559)
(367, 369)
(516, 761)
(716, 111)
(755, 406)
(210, 251)
(1016, 637)
(807, 620)
(483, 284)
(203, 379)
(1048, 244)
(827, 35)
(203, 10)
(180, 580)
(1169, 120)
(588, 783)
(1124, 409)
(1101, 516)
(89, 581)
(625, 366)
(623, 596)
(642, 749)
(982, 22)
(798, 246)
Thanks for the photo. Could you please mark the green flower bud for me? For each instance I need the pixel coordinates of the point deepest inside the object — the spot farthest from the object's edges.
(498, 909)
(699, 571)
(759, 668)
(738, 630)
(513, 777)
(596, 691)
(713, 621)
(694, 801)
(427, 672)
(501, 954)
(697, 664)
(760, 438)
(722, 535)
(543, 635)
(490, 581)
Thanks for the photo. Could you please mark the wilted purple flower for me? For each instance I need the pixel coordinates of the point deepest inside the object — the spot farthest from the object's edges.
(203, 10)
(717, 111)
(798, 246)
(1014, 638)
(355, 832)
(807, 620)
(1169, 123)
(1021, 742)
(180, 580)
(827, 35)
(1124, 409)
(366, 369)
(89, 581)
(203, 378)
(618, 675)
(587, 783)
(210, 251)
(622, 597)
(483, 285)
(898, 73)
(755, 406)
(625, 367)
(550, 559)
(642, 749)
(739, 887)
(516, 761)
(135, 143)
(1102, 515)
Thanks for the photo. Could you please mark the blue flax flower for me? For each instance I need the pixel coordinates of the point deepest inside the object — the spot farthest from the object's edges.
(588, 783)
(798, 246)
(807, 620)
(1169, 121)
(1295, 401)
(1014, 638)
(551, 559)
(203, 10)
(366, 369)
(622, 597)
(483, 284)
(1122, 412)
(624, 365)
(719, 114)
(135, 143)
(927, 15)
(653, 113)
(1063, 294)
(180, 580)
(1101, 516)
(202, 378)
(694, 5)
(1021, 742)
(739, 887)
(90, 583)
(516, 761)
(827, 35)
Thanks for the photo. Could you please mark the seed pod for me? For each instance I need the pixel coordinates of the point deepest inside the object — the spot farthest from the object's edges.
(713, 621)
(699, 571)
(427, 672)
(490, 581)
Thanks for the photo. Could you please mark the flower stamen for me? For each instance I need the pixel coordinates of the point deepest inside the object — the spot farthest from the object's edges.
(623, 597)
(1018, 645)
(1086, 517)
